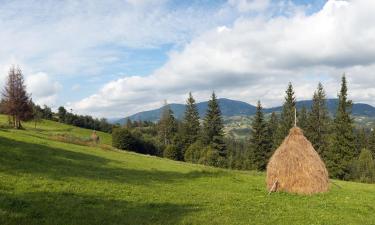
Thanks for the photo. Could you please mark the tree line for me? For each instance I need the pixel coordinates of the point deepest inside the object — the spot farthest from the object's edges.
(18, 105)
(348, 151)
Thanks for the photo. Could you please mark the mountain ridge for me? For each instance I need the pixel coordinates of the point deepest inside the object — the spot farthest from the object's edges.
(231, 108)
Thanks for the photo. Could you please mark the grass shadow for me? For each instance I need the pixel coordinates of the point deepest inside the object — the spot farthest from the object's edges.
(60, 164)
(68, 208)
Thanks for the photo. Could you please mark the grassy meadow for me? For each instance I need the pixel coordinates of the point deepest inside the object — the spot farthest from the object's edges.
(47, 181)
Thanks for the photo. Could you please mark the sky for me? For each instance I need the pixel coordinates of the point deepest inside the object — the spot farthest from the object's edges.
(117, 57)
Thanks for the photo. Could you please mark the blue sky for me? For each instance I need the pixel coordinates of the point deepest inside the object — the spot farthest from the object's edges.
(114, 58)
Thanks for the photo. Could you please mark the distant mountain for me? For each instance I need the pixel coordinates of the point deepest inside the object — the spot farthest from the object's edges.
(231, 108)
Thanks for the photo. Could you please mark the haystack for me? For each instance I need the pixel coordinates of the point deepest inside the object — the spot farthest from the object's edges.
(296, 167)
(94, 137)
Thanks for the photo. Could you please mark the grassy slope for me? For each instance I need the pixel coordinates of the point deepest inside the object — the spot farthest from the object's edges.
(48, 182)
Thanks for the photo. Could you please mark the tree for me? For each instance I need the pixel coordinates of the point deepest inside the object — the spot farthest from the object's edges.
(343, 149)
(272, 127)
(302, 118)
(61, 114)
(364, 169)
(213, 127)
(361, 141)
(171, 152)
(191, 126)
(318, 123)
(37, 114)
(167, 125)
(193, 152)
(259, 143)
(47, 112)
(371, 142)
(16, 101)
(287, 114)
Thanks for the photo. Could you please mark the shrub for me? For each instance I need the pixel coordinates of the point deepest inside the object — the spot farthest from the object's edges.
(211, 157)
(171, 152)
(123, 139)
(193, 152)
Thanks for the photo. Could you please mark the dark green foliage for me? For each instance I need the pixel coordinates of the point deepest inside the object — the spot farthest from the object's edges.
(364, 167)
(287, 115)
(124, 139)
(318, 123)
(272, 127)
(61, 114)
(260, 145)
(171, 152)
(191, 126)
(302, 118)
(213, 127)
(343, 149)
(211, 157)
(361, 140)
(371, 142)
(237, 154)
(167, 126)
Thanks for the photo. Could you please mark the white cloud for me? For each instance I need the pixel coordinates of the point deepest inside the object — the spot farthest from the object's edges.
(43, 89)
(255, 59)
(250, 5)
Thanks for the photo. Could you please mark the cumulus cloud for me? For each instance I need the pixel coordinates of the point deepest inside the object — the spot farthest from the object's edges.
(254, 59)
(44, 90)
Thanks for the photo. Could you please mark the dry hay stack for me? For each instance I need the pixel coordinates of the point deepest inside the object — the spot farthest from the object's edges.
(296, 167)
(94, 137)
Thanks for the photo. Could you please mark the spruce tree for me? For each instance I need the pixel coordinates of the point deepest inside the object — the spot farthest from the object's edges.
(167, 126)
(259, 141)
(272, 126)
(213, 127)
(318, 123)
(343, 149)
(371, 142)
(191, 126)
(302, 118)
(361, 141)
(287, 114)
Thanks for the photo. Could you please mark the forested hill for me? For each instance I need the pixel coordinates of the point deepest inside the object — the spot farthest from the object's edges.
(238, 108)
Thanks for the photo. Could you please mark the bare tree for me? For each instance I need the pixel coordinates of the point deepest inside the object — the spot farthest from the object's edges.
(16, 102)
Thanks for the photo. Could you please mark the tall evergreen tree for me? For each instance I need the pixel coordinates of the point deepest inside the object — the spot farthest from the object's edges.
(302, 118)
(167, 126)
(318, 123)
(61, 114)
(361, 141)
(16, 101)
(259, 141)
(343, 149)
(213, 126)
(287, 114)
(191, 126)
(371, 142)
(272, 126)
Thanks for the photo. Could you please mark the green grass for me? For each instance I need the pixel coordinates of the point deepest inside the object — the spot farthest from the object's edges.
(49, 182)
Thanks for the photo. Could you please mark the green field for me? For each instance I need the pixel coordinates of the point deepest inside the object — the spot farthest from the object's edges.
(43, 181)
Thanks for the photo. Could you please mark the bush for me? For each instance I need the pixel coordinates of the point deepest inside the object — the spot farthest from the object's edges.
(211, 157)
(364, 167)
(171, 152)
(193, 152)
(123, 139)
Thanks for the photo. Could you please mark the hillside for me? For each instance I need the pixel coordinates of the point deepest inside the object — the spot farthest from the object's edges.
(44, 181)
(232, 108)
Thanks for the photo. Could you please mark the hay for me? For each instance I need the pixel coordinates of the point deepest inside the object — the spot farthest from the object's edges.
(297, 167)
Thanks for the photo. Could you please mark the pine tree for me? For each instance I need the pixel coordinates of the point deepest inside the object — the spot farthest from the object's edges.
(361, 141)
(259, 141)
(318, 123)
(213, 127)
(302, 118)
(343, 149)
(17, 103)
(62, 114)
(272, 127)
(371, 142)
(191, 126)
(287, 115)
(167, 126)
